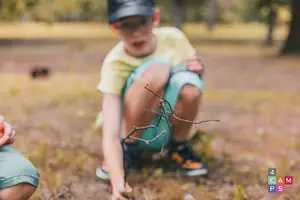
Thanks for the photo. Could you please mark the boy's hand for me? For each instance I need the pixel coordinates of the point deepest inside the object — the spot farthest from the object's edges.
(121, 192)
(7, 133)
(194, 64)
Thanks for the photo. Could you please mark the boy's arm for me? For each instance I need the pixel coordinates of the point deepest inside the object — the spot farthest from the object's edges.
(111, 138)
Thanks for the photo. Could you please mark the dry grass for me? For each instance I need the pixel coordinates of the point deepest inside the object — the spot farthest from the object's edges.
(54, 31)
(255, 97)
(97, 31)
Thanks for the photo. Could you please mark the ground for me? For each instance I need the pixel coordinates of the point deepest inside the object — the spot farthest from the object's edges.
(253, 93)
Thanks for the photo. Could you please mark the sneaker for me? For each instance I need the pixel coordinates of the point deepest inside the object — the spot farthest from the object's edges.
(182, 156)
(103, 171)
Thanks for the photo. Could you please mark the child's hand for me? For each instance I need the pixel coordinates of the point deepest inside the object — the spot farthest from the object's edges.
(7, 133)
(121, 192)
(194, 65)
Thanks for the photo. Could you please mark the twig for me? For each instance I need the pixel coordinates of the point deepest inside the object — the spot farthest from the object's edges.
(163, 114)
(178, 118)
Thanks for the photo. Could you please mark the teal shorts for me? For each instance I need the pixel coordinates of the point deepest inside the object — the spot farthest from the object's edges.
(16, 169)
(179, 77)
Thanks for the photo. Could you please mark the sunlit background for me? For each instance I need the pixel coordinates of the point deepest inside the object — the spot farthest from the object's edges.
(252, 59)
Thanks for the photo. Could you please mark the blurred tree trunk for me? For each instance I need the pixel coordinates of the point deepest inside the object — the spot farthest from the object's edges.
(178, 13)
(271, 25)
(210, 14)
(292, 44)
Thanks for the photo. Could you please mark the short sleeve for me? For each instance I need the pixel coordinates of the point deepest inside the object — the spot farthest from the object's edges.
(184, 46)
(111, 79)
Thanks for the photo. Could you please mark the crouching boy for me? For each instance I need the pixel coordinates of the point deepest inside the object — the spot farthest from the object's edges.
(165, 61)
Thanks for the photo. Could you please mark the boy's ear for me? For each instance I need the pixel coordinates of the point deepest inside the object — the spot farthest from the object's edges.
(156, 18)
(113, 28)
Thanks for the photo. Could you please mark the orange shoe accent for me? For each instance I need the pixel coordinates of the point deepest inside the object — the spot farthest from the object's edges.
(188, 164)
(191, 165)
(179, 148)
(177, 158)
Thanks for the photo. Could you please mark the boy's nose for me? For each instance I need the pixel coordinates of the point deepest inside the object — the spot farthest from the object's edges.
(137, 33)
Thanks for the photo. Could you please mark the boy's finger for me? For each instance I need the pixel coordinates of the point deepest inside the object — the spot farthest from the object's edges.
(1, 119)
(192, 58)
(128, 188)
(12, 138)
(3, 140)
(122, 198)
(7, 129)
(197, 70)
(118, 197)
(192, 61)
(196, 67)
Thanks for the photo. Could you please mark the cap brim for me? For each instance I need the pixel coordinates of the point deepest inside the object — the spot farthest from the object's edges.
(131, 11)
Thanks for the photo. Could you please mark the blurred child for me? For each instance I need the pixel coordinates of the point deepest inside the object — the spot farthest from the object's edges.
(161, 58)
(18, 177)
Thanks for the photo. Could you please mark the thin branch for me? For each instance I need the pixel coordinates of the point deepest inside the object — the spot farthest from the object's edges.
(149, 141)
(163, 114)
(142, 128)
(172, 112)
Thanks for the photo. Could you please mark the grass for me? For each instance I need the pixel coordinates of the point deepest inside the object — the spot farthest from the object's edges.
(97, 31)
(55, 118)
(64, 108)
(54, 31)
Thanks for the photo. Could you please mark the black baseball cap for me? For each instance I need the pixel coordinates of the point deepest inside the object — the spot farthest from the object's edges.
(118, 9)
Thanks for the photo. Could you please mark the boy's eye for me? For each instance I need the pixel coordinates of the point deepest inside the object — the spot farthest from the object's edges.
(141, 22)
(129, 25)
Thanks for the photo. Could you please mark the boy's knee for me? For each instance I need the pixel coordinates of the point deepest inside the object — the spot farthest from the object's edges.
(20, 191)
(26, 169)
(190, 94)
(17, 170)
(157, 76)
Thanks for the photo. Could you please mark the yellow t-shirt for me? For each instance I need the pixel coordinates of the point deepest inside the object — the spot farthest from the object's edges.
(172, 45)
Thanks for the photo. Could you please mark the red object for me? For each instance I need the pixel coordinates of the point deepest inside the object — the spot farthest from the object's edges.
(1, 129)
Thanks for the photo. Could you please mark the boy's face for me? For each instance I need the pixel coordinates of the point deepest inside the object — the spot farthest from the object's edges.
(136, 33)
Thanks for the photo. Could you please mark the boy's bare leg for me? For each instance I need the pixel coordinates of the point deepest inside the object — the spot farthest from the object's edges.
(186, 108)
(19, 192)
(180, 153)
(137, 98)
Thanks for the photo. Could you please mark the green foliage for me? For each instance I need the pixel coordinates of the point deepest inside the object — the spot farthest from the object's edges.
(92, 10)
(58, 10)
(15, 9)
(69, 10)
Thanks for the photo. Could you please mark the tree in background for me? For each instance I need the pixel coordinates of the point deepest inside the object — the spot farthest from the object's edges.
(271, 8)
(292, 44)
(14, 10)
(178, 13)
(173, 11)
(210, 14)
